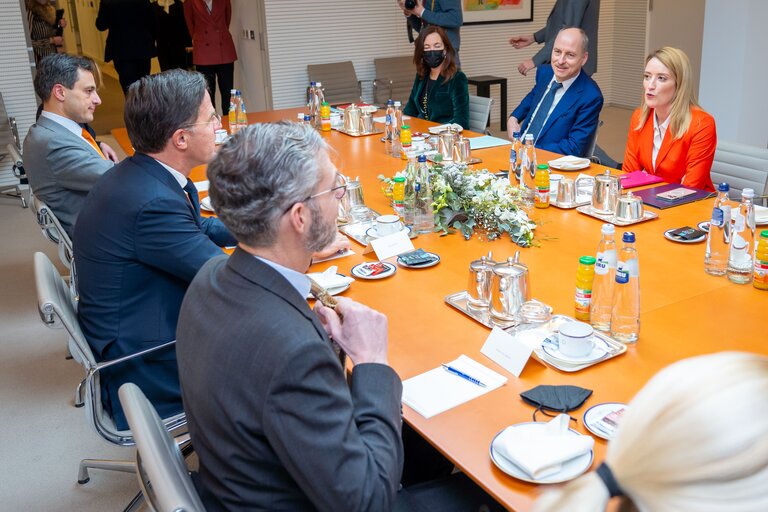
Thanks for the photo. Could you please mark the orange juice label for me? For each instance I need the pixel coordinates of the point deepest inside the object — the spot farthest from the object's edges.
(583, 302)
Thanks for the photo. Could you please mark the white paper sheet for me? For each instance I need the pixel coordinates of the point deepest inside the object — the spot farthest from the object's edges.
(437, 390)
(486, 141)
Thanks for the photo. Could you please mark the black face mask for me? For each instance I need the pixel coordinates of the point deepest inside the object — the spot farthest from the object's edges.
(433, 58)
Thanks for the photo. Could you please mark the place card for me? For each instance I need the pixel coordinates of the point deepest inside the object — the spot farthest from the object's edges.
(502, 348)
(392, 245)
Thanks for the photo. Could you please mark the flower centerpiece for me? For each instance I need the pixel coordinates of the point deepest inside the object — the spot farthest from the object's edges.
(477, 202)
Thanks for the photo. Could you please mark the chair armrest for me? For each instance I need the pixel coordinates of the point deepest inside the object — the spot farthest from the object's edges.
(106, 364)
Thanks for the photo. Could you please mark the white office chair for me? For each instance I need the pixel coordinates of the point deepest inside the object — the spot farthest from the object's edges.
(163, 475)
(479, 113)
(742, 167)
(56, 308)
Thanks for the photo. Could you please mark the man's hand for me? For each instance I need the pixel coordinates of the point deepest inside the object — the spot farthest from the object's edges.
(340, 244)
(363, 334)
(526, 66)
(108, 152)
(513, 125)
(518, 42)
(57, 40)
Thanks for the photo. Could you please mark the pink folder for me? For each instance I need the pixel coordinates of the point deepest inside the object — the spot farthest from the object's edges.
(638, 178)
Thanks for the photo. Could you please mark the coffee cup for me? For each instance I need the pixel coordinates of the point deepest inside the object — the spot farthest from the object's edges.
(221, 136)
(387, 224)
(576, 339)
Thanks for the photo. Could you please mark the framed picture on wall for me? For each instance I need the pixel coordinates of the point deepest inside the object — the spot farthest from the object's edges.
(477, 12)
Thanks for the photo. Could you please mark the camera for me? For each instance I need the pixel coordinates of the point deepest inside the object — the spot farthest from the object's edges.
(410, 4)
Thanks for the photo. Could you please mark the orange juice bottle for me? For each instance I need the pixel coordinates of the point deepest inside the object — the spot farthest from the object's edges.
(325, 117)
(584, 277)
(405, 141)
(760, 272)
(541, 181)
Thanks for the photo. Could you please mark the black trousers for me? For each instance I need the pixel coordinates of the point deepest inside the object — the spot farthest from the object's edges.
(130, 70)
(225, 73)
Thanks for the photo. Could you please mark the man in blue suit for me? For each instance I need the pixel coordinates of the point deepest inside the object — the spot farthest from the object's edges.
(140, 240)
(562, 111)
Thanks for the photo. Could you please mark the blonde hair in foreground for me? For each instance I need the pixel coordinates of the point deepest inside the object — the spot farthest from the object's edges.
(695, 438)
(685, 98)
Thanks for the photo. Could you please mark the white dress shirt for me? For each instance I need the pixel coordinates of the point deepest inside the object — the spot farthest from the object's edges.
(180, 178)
(298, 280)
(659, 130)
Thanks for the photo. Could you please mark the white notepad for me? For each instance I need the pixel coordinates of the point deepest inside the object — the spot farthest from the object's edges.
(486, 141)
(437, 390)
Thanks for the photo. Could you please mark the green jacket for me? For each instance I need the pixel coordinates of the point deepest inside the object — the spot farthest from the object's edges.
(448, 102)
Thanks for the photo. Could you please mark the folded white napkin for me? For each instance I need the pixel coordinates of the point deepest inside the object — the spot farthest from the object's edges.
(330, 279)
(541, 452)
(434, 130)
(569, 162)
(761, 214)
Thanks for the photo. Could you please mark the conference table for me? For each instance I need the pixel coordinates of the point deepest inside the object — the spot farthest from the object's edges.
(684, 311)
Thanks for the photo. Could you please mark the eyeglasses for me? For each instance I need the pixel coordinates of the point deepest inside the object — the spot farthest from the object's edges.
(215, 119)
(338, 193)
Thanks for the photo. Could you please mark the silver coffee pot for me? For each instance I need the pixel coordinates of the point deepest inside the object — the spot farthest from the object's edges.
(606, 192)
(510, 288)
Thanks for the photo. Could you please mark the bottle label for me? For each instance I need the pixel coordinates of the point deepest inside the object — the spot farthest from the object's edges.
(512, 157)
(717, 217)
(605, 262)
(622, 276)
(738, 222)
(389, 119)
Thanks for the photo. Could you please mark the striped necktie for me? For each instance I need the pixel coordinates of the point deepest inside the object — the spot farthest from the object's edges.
(90, 140)
(542, 111)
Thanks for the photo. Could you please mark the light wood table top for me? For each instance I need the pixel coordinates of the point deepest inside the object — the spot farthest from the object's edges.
(684, 311)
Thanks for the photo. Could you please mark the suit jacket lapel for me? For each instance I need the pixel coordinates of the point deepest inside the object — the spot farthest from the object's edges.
(160, 173)
(566, 102)
(264, 276)
(61, 131)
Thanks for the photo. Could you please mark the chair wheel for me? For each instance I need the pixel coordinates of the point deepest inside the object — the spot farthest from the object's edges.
(81, 482)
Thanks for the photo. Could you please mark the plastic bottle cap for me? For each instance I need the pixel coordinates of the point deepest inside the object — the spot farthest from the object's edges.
(399, 179)
(723, 187)
(608, 229)
(324, 104)
(764, 233)
(422, 158)
(397, 103)
(405, 127)
(528, 137)
(516, 135)
(748, 193)
(390, 102)
(628, 237)
(587, 260)
(542, 166)
(319, 84)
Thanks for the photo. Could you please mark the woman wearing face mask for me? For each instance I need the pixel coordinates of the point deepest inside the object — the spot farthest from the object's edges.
(440, 92)
(670, 135)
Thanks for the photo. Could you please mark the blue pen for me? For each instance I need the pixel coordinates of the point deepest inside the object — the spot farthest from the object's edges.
(458, 373)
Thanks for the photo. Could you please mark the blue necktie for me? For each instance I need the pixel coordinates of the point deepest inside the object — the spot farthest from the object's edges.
(194, 198)
(541, 113)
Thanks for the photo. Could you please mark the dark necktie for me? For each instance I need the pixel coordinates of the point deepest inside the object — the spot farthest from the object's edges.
(541, 112)
(194, 199)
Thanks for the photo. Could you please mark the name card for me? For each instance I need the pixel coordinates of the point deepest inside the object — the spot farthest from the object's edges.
(392, 245)
(506, 351)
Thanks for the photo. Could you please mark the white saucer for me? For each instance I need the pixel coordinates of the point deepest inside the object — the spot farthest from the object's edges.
(435, 130)
(357, 271)
(668, 236)
(703, 225)
(205, 204)
(423, 265)
(598, 351)
(570, 163)
(594, 415)
(333, 291)
(570, 470)
(371, 232)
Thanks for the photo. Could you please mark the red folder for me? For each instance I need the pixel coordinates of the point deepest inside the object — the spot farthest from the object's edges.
(638, 178)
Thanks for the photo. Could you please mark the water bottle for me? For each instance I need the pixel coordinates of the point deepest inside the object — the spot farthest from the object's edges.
(397, 117)
(515, 157)
(625, 316)
(242, 115)
(528, 171)
(424, 217)
(311, 95)
(409, 192)
(603, 284)
(719, 236)
(317, 101)
(388, 118)
(742, 240)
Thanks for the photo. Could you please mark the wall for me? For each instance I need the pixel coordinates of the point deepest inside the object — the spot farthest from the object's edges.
(16, 78)
(304, 32)
(733, 69)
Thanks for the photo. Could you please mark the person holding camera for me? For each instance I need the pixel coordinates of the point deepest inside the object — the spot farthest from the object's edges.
(442, 13)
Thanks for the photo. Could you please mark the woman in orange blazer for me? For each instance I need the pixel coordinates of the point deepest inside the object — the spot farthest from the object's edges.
(213, 50)
(670, 135)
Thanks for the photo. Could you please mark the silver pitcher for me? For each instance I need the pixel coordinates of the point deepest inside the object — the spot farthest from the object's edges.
(352, 116)
(479, 286)
(448, 138)
(461, 150)
(605, 194)
(510, 288)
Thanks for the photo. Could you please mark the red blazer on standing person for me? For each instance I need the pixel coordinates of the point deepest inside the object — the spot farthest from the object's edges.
(211, 41)
(687, 160)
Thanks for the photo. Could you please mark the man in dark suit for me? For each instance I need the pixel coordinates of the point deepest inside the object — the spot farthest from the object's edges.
(140, 238)
(563, 108)
(274, 423)
(61, 157)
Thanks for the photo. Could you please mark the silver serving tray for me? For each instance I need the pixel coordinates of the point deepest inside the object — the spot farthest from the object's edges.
(458, 300)
(611, 218)
(570, 206)
(359, 134)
